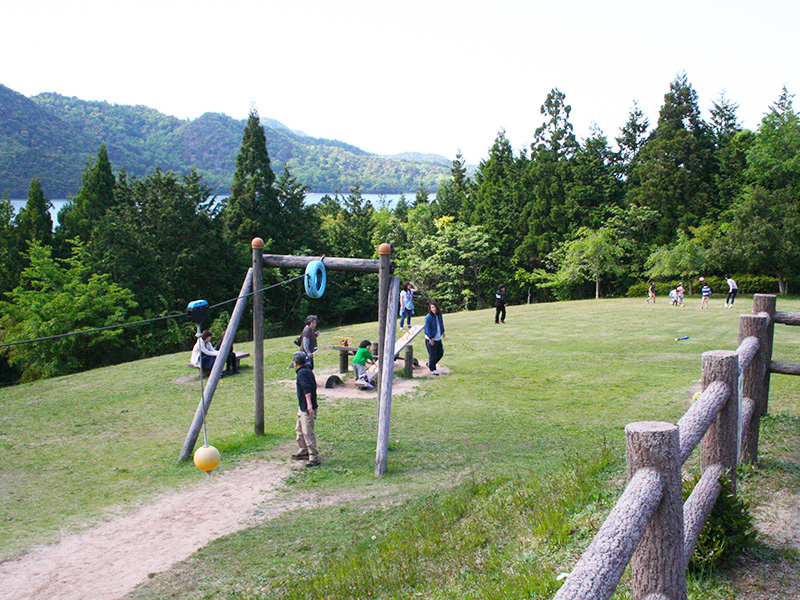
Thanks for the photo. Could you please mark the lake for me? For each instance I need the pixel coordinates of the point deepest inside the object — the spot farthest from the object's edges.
(311, 198)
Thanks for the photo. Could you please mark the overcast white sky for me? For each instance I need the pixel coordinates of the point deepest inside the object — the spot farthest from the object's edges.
(422, 75)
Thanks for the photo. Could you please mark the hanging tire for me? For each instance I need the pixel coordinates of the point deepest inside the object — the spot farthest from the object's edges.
(315, 279)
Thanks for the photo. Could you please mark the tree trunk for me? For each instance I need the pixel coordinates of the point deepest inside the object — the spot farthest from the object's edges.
(597, 287)
(783, 287)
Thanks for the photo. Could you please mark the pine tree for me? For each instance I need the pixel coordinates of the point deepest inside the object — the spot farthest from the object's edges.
(252, 210)
(34, 221)
(96, 196)
(674, 173)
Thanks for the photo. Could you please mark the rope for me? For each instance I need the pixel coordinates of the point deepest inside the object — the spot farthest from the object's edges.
(174, 316)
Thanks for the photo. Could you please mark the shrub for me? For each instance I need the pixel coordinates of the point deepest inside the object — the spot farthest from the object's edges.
(728, 531)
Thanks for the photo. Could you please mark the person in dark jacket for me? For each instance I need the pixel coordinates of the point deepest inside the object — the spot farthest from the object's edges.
(500, 304)
(434, 332)
(308, 339)
(306, 385)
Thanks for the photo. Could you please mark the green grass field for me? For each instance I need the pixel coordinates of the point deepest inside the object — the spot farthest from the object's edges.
(516, 454)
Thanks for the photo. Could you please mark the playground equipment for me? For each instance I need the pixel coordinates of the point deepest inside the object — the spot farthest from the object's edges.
(315, 280)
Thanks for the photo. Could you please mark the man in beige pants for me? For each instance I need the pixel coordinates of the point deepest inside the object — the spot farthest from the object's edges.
(306, 385)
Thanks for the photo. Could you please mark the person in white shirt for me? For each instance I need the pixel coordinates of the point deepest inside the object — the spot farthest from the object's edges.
(205, 354)
(732, 290)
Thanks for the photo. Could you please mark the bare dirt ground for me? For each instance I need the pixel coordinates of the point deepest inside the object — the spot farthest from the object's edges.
(107, 561)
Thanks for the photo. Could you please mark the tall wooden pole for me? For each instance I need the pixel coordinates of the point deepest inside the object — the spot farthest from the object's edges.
(385, 272)
(258, 335)
(386, 376)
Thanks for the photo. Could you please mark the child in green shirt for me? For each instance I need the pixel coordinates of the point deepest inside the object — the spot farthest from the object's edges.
(360, 360)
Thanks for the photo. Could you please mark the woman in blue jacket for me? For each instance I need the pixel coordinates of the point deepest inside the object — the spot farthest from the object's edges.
(434, 332)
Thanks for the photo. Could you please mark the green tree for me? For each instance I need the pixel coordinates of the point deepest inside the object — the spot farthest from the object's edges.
(764, 231)
(94, 198)
(34, 223)
(632, 138)
(499, 205)
(10, 264)
(452, 197)
(547, 175)
(675, 168)
(61, 296)
(593, 188)
(590, 255)
(165, 247)
(686, 258)
(450, 265)
(252, 210)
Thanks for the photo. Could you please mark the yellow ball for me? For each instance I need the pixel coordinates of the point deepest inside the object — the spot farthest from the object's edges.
(206, 458)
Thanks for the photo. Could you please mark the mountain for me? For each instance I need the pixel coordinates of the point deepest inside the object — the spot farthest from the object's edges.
(55, 136)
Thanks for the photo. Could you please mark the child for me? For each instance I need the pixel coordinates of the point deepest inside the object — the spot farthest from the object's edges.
(360, 360)
(679, 291)
(706, 293)
(651, 292)
(673, 297)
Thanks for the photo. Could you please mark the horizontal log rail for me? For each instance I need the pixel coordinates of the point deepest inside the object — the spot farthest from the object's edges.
(332, 263)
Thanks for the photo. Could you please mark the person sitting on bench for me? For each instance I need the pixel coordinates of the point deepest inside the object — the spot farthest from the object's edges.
(360, 360)
(204, 354)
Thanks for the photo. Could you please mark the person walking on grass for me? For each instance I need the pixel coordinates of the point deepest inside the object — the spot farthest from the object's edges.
(705, 293)
(407, 304)
(651, 292)
(306, 385)
(732, 291)
(500, 304)
(434, 332)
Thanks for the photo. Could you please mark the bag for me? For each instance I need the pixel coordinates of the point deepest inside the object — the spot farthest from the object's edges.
(299, 341)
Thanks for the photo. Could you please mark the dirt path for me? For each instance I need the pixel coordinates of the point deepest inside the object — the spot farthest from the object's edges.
(108, 561)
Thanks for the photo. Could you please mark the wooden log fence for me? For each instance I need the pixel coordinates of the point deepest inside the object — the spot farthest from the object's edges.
(650, 527)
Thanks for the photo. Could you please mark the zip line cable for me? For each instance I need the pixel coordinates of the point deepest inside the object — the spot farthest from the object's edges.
(175, 316)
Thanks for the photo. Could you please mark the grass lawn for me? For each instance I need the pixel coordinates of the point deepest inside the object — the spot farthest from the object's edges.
(532, 414)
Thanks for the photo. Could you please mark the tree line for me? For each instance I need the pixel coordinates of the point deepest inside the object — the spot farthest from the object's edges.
(563, 218)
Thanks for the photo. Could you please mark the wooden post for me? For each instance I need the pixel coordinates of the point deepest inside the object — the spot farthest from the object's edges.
(765, 303)
(385, 272)
(409, 358)
(657, 566)
(344, 361)
(753, 378)
(258, 335)
(385, 375)
(216, 371)
(719, 444)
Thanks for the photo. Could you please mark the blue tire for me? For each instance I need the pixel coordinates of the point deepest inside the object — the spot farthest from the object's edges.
(315, 279)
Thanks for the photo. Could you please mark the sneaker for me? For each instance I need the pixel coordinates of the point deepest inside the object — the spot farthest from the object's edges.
(313, 463)
(434, 372)
(299, 456)
(368, 386)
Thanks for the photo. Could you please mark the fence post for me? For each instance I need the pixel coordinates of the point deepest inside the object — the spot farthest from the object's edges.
(766, 303)
(258, 335)
(657, 566)
(720, 442)
(753, 384)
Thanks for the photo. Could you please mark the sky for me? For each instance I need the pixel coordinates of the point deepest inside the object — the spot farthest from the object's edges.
(433, 76)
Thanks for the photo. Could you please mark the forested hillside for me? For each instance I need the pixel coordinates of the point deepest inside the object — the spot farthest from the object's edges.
(565, 218)
(54, 136)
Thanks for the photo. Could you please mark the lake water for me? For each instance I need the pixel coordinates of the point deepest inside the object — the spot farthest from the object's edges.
(390, 199)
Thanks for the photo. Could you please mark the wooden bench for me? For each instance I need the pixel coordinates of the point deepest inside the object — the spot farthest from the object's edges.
(237, 358)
